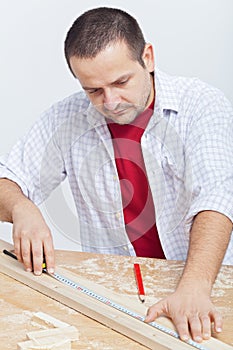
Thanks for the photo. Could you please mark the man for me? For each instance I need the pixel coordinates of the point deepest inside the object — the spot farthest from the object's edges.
(148, 158)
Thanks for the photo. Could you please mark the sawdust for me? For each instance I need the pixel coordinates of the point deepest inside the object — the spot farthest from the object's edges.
(13, 327)
(216, 293)
(5, 306)
(224, 279)
(125, 283)
(20, 318)
(98, 345)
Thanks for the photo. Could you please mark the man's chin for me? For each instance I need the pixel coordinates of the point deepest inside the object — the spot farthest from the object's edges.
(123, 119)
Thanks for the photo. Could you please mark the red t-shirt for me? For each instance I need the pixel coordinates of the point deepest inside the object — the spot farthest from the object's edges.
(138, 206)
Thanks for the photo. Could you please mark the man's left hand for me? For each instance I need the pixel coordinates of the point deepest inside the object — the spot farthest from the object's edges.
(191, 311)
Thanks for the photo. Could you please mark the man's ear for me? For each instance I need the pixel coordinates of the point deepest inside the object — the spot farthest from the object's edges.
(148, 57)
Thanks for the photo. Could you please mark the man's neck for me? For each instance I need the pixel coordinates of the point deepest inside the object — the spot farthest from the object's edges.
(152, 95)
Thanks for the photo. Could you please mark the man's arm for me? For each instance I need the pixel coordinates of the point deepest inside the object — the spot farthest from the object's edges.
(31, 234)
(190, 306)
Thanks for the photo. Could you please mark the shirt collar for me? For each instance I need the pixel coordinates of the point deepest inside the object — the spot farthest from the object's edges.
(94, 117)
(166, 92)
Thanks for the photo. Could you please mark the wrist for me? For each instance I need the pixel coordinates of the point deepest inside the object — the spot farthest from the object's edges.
(194, 285)
(21, 205)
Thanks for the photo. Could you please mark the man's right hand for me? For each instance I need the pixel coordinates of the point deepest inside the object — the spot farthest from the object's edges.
(32, 238)
(31, 235)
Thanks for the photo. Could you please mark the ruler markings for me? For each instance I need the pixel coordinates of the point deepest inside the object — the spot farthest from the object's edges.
(121, 308)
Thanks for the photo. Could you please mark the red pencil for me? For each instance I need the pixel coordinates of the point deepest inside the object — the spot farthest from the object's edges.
(138, 277)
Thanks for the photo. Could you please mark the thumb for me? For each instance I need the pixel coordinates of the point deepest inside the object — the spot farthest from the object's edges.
(154, 311)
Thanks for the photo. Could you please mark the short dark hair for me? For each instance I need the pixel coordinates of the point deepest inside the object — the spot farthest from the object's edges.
(95, 29)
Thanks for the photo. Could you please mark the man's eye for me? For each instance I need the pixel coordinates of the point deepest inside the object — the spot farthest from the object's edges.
(122, 82)
(93, 91)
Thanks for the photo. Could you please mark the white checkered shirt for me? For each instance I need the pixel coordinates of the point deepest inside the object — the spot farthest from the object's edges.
(187, 148)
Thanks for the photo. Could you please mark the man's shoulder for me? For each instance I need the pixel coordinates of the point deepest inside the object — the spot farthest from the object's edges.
(185, 84)
(67, 111)
(76, 102)
(187, 91)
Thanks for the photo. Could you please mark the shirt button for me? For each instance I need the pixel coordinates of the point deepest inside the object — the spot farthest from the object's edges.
(118, 215)
(115, 177)
(125, 248)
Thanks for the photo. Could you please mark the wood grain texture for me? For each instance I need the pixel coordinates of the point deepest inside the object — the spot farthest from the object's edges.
(124, 324)
(41, 317)
(116, 273)
(64, 344)
(69, 332)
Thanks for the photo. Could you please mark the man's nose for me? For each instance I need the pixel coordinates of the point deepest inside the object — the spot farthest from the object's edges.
(111, 100)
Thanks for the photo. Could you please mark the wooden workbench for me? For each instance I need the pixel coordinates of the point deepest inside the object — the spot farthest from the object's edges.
(19, 302)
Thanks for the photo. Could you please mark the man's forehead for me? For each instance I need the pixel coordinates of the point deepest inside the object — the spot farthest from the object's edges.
(108, 67)
(101, 83)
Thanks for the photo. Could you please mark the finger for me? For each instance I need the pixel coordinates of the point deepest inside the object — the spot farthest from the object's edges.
(26, 254)
(49, 256)
(154, 311)
(195, 328)
(218, 321)
(17, 245)
(181, 324)
(37, 256)
(206, 326)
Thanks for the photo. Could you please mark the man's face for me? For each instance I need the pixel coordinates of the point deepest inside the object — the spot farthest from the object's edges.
(117, 86)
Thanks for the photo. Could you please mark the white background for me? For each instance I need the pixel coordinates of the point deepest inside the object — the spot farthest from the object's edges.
(191, 38)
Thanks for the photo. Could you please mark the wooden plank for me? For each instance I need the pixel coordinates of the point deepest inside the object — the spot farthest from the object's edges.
(64, 344)
(70, 332)
(134, 329)
(47, 319)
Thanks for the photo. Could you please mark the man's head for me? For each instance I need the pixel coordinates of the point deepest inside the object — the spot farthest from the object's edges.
(106, 51)
(97, 28)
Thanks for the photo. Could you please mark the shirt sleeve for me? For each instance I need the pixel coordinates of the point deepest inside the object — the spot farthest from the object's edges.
(209, 155)
(35, 162)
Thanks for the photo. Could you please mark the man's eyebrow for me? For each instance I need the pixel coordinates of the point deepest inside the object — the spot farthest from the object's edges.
(89, 88)
(123, 77)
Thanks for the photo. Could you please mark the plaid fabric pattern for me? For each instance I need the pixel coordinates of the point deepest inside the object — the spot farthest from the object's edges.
(187, 148)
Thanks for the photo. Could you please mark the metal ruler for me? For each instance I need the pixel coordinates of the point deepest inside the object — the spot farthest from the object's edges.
(119, 307)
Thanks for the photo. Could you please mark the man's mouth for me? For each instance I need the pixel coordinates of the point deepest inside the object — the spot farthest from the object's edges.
(116, 113)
